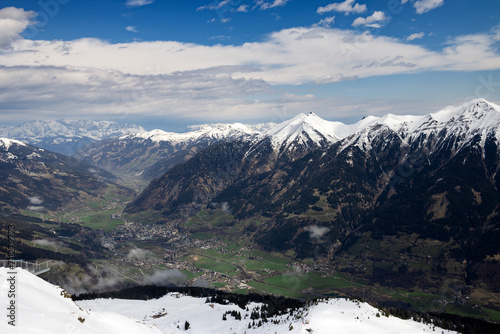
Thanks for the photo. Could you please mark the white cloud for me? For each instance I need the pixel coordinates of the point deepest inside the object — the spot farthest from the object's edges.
(131, 29)
(35, 200)
(36, 208)
(48, 243)
(218, 82)
(346, 7)
(215, 6)
(166, 278)
(262, 4)
(326, 22)
(13, 21)
(418, 35)
(242, 8)
(138, 3)
(424, 6)
(139, 254)
(373, 21)
(316, 232)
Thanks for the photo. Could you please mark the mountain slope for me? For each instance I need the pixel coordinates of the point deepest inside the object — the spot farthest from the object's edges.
(43, 308)
(37, 180)
(174, 310)
(147, 155)
(433, 176)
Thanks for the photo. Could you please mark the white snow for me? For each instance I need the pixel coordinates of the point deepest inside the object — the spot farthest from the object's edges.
(310, 126)
(477, 117)
(40, 308)
(35, 130)
(6, 143)
(335, 315)
(211, 132)
(302, 128)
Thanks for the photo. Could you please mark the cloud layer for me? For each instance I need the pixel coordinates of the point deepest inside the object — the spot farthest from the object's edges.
(347, 7)
(424, 6)
(94, 77)
(13, 21)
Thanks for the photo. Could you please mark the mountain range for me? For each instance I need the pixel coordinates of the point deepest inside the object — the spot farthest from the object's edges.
(406, 202)
(430, 178)
(146, 155)
(66, 136)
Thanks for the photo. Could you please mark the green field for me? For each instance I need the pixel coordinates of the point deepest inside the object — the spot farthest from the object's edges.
(309, 280)
(214, 265)
(277, 290)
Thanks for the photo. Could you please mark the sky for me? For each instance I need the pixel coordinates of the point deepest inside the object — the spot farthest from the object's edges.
(168, 64)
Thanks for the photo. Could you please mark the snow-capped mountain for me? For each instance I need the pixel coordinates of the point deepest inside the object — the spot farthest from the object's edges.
(149, 154)
(66, 136)
(460, 124)
(44, 308)
(435, 176)
(37, 130)
(6, 143)
(451, 128)
(200, 133)
(302, 130)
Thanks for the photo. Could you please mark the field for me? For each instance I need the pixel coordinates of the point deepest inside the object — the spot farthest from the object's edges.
(97, 212)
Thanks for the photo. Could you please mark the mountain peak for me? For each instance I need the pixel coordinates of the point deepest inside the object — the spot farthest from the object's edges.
(303, 130)
(6, 143)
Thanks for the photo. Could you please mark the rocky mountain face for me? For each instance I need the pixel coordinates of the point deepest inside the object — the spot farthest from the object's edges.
(329, 190)
(147, 155)
(37, 180)
(66, 136)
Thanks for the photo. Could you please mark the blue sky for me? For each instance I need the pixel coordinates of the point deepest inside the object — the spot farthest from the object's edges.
(171, 63)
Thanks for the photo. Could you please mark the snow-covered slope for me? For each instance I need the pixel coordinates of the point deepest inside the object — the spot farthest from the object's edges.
(302, 130)
(6, 143)
(477, 117)
(457, 123)
(205, 132)
(170, 313)
(41, 308)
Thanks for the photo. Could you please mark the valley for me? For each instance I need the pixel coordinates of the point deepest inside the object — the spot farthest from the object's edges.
(399, 211)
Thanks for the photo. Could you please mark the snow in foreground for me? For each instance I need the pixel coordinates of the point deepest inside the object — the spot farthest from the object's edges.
(40, 308)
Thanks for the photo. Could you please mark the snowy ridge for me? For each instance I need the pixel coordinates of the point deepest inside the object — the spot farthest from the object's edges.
(478, 117)
(461, 124)
(336, 315)
(6, 143)
(42, 308)
(305, 129)
(301, 130)
(209, 132)
(35, 130)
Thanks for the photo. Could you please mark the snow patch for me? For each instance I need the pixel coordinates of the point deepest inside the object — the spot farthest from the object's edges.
(6, 143)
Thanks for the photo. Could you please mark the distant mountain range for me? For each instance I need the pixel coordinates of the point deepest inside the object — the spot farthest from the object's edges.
(66, 136)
